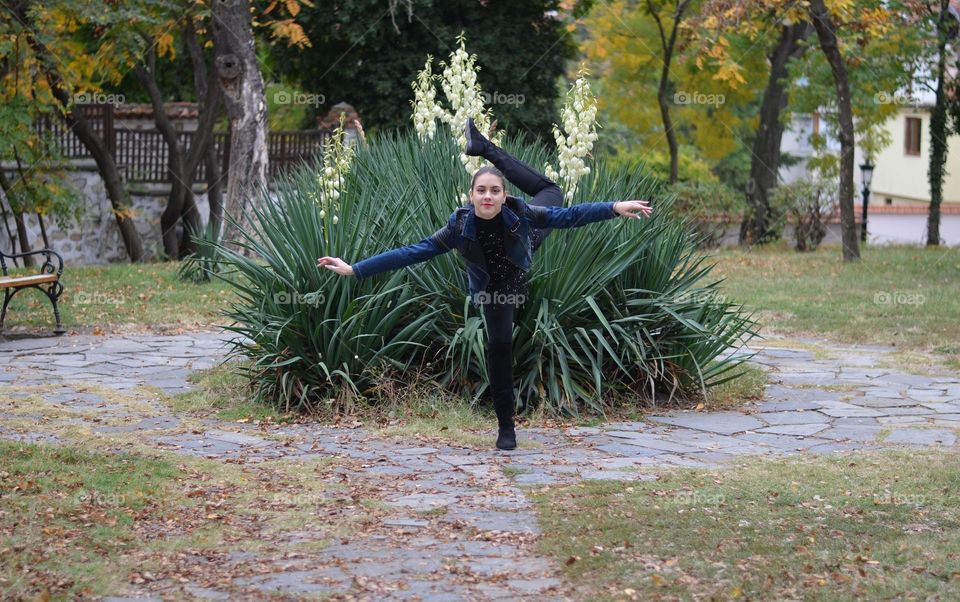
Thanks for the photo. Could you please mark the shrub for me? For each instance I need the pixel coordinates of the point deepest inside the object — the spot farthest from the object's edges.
(808, 204)
(617, 308)
(205, 261)
(710, 209)
(691, 166)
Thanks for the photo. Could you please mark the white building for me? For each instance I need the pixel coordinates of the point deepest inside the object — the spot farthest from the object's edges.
(900, 191)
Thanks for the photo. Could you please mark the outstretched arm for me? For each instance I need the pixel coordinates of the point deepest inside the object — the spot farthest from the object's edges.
(586, 213)
(437, 243)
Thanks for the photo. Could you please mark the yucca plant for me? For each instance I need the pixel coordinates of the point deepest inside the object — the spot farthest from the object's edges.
(621, 308)
(617, 308)
(199, 265)
(315, 341)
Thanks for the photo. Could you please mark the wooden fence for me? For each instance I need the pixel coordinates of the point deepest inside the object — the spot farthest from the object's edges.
(142, 155)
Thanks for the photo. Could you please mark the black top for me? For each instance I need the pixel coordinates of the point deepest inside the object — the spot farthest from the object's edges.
(505, 276)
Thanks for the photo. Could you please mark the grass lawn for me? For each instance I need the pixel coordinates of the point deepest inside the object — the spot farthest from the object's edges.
(871, 526)
(122, 296)
(87, 505)
(78, 522)
(907, 296)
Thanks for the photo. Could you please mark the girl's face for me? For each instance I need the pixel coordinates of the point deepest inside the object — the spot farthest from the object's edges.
(487, 195)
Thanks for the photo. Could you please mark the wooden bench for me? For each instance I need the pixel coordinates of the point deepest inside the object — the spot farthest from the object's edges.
(47, 281)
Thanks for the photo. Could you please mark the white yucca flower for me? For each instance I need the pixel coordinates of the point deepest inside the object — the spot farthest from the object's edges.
(426, 111)
(579, 118)
(336, 163)
(459, 84)
(464, 95)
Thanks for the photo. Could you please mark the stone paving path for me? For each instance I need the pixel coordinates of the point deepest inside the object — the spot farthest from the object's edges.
(454, 525)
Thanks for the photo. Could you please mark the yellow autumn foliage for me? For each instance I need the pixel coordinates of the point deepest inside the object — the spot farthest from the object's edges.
(624, 51)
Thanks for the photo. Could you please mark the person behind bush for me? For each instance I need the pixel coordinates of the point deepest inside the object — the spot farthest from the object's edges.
(496, 234)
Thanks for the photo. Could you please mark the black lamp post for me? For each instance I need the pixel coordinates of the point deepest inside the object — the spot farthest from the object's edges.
(866, 171)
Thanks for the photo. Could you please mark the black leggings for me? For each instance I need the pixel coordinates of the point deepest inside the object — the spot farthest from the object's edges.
(499, 318)
(499, 322)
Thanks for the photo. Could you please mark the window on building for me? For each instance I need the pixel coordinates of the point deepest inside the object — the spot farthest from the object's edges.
(803, 125)
(912, 138)
(887, 201)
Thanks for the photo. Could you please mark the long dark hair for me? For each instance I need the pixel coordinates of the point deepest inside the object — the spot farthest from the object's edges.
(491, 170)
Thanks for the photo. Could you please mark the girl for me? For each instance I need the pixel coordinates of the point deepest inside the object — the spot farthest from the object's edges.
(496, 234)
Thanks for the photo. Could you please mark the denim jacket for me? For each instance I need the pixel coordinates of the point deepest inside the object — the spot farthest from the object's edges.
(521, 221)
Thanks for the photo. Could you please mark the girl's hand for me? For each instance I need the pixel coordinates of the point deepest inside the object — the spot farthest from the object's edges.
(335, 264)
(632, 209)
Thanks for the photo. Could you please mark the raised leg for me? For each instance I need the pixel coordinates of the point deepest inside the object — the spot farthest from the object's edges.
(543, 191)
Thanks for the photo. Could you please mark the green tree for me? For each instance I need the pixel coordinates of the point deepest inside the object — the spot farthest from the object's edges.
(720, 19)
(863, 47)
(367, 53)
(863, 50)
(938, 28)
(39, 184)
(656, 83)
(73, 48)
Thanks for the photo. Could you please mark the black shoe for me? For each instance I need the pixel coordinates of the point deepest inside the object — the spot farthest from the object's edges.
(476, 143)
(506, 438)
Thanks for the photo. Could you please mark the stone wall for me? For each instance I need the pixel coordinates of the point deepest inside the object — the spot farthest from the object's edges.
(96, 240)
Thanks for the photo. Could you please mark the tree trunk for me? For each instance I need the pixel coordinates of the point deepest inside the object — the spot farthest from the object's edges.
(668, 129)
(765, 163)
(203, 147)
(828, 43)
(214, 192)
(181, 203)
(43, 231)
(668, 46)
(171, 213)
(77, 122)
(22, 237)
(938, 132)
(5, 186)
(239, 75)
(116, 190)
